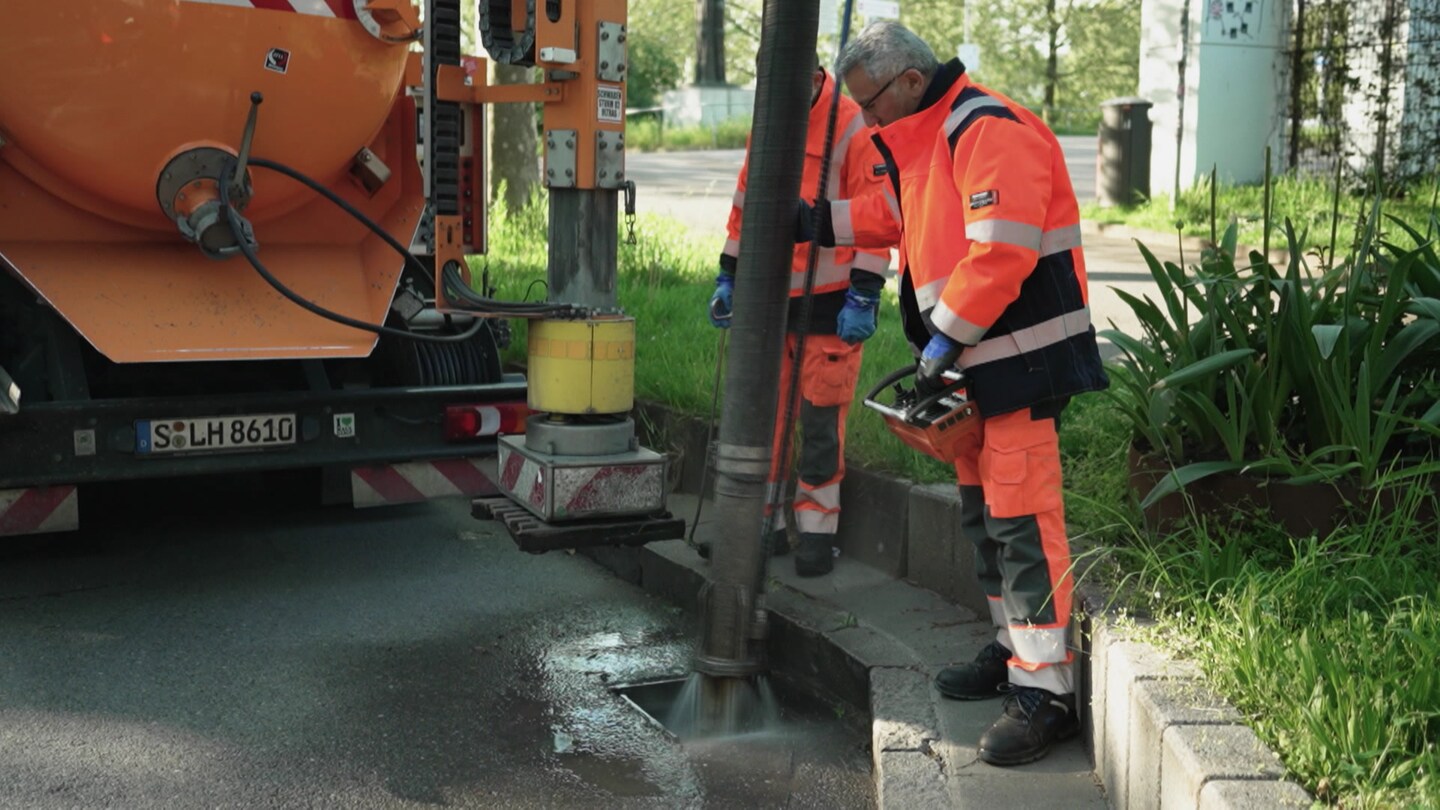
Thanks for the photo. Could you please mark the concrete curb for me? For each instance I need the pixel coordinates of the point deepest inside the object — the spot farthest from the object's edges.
(1156, 735)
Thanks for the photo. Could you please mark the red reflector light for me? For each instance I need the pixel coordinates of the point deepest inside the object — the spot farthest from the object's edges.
(467, 422)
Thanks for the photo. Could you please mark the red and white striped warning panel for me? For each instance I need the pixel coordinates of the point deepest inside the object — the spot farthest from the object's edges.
(39, 509)
(607, 488)
(415, 481)
(344, 9)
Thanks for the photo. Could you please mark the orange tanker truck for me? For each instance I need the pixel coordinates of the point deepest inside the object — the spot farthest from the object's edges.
(222, 251)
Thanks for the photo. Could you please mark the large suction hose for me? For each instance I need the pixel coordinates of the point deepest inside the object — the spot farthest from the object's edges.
(730, 602)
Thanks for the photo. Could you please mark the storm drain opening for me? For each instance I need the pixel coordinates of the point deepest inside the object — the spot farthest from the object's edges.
(699, 707)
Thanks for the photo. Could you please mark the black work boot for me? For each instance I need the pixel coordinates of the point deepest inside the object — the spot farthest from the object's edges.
(779, 545)
(979, 679)
(1033, 720)
(814, 556)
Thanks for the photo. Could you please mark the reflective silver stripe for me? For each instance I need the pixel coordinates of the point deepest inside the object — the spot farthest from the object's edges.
(928, 295)
(1039, 645)
(959, 114)
(1029, 339)
(1060, 240)
(1057, 679)
(818, 499)
(1005, 232)
(827, 271)
(739, 199)
(872, 262)
(997, 616)
(894, 205)
(842, 222)
(732, 248)
(812, 522)
(837, 156)
(955, 326)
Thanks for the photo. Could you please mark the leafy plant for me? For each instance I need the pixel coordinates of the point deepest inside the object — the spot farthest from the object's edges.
(1298, 375)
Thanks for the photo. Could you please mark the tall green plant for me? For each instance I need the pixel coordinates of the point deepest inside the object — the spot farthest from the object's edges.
(1305, 376)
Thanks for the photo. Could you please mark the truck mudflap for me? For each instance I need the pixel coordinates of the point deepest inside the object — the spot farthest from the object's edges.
(51, 444)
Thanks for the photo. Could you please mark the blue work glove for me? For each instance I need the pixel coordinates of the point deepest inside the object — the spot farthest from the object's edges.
(723, 301)
(939, 356)
(857, 319)
(813, 223)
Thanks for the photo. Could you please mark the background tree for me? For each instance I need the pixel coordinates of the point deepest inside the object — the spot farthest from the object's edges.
(514, 156)
(709, 42)
(514, 164)
(1058, 57)
(656, 65)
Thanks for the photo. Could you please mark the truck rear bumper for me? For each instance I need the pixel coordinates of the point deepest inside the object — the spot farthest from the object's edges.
(68, 443)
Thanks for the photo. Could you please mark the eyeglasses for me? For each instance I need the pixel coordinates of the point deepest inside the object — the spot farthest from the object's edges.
(878, 93)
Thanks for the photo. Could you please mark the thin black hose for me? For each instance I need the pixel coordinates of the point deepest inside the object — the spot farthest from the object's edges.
(479, 303)
(237, 228)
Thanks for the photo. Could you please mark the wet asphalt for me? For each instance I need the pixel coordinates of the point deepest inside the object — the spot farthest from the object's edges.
(225, 644)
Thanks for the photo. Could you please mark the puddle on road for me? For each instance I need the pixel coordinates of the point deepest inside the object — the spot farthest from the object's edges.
(595, 670)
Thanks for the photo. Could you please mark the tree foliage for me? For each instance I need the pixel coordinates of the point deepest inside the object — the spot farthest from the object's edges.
(1096, 47)
(1096, 50)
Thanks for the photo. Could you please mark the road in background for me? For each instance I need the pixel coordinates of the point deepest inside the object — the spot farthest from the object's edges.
(696, 189)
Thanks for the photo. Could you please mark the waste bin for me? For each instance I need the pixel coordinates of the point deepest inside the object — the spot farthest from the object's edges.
(1122, 165)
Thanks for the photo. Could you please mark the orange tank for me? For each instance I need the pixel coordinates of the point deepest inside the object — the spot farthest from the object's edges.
(100, 95)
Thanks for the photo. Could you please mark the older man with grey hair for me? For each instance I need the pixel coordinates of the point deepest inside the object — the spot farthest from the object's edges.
(993, 281)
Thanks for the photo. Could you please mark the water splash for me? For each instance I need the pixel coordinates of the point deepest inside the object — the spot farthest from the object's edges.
(708, 706)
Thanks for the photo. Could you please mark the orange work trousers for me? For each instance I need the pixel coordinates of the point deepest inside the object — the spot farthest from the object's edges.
(828, 374)
(1012, 510)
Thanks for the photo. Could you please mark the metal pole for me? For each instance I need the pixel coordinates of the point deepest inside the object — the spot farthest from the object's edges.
(1184, 80)
(1297, 82)
(583, 244)
(752, 366)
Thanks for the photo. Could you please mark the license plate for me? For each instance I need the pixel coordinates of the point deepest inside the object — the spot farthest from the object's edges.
(214, 434)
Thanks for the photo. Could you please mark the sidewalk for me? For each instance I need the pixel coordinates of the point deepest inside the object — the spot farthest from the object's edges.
(871, 639)
(902, 603)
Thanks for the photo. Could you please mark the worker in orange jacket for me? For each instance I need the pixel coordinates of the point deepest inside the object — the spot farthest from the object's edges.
(845, 298)
(993, 282)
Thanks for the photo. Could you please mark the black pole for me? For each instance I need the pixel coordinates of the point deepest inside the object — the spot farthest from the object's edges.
(752, 364)
(1180, 123)
(1297, 82)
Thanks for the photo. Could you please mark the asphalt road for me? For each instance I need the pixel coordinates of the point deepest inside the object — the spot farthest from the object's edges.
(688, 186)
(224, 644)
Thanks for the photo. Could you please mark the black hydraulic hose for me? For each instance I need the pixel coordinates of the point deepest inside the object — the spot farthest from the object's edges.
(237, 228)
(477, 302)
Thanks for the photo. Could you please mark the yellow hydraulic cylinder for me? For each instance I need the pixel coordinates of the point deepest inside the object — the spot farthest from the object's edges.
(582, 367)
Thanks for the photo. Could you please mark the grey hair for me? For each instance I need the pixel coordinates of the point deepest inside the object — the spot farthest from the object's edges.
(884, 49)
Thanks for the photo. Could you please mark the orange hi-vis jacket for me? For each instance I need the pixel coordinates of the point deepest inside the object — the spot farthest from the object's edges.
(855, 169)
(981, 204)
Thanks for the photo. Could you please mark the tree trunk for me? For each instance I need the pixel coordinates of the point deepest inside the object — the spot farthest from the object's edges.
(710, 42)
(514, 163)
(1052, 62)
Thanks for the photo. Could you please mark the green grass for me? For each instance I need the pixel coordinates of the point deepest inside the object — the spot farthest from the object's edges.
(666, 279)
(1308, 202)
(649, 135)
(1327, 645)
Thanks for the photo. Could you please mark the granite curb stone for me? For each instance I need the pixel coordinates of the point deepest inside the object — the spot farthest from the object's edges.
(1205, 757)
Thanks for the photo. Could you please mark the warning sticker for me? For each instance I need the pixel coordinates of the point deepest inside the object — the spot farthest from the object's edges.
(610, 104)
